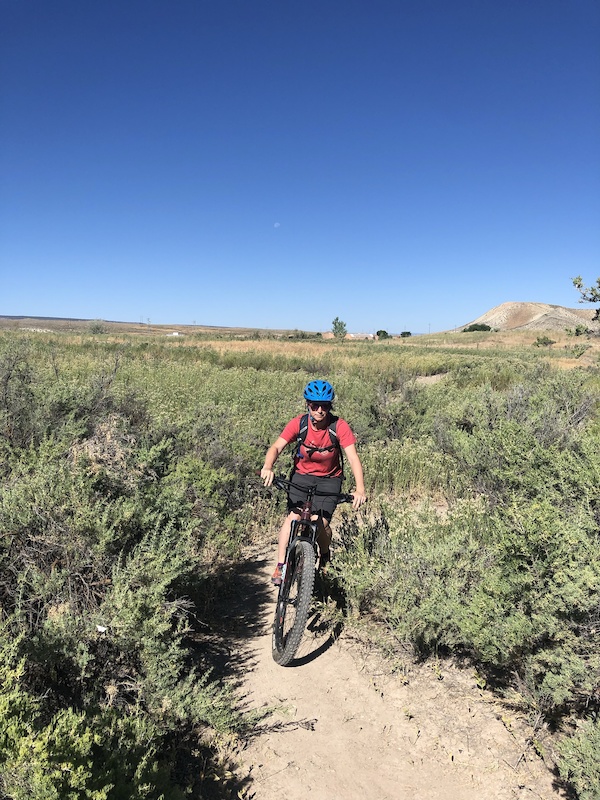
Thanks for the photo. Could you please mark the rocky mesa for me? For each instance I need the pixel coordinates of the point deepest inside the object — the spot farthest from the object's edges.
(513, 316)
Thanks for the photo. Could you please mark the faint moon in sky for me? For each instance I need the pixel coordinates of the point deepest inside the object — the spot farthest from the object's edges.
(277, 225)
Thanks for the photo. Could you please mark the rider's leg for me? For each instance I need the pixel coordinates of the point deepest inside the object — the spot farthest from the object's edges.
(284, 536)
(325, 505)
(323, 535)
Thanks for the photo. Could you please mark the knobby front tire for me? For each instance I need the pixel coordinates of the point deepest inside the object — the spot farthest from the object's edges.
(293, 602)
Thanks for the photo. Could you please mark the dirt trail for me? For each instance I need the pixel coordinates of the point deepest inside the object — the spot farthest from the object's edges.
(345, 728)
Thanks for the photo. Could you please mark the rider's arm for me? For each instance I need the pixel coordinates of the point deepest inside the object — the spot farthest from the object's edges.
(359, 493)
(273, 452)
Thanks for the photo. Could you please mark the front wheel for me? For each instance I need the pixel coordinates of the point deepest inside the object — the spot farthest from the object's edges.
(293, 602)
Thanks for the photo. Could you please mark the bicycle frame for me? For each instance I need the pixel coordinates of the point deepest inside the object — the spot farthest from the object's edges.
(297, 579)
(304, 528)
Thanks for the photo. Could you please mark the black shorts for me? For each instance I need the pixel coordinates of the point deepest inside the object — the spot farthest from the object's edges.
(321, 504)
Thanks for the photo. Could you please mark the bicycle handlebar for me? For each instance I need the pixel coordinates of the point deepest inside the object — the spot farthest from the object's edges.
(282, 483)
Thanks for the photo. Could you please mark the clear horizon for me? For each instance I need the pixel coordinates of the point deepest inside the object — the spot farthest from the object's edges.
(399, 165)
(590, 307)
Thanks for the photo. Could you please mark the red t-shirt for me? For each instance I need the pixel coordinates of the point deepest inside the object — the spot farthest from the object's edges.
(311, 462)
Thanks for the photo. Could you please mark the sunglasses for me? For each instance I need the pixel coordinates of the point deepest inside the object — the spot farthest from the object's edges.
(317, 406)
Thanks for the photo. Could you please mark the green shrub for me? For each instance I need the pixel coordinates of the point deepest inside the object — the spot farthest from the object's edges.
(111, 524)
(580, 760)
(579, 330)
(543, 341)
(579, 350)
(529, 439)
(475, 327)
(97, 326)
(16, 396)
(97, 753)
(508, 571)
(515, 593)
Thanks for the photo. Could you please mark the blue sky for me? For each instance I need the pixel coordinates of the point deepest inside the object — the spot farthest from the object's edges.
(401, 165)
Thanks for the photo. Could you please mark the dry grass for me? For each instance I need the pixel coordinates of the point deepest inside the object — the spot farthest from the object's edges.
(563, 353)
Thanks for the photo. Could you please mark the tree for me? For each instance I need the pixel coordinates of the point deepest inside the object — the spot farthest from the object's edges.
(589, 294)
(339, 328)
(382, 335)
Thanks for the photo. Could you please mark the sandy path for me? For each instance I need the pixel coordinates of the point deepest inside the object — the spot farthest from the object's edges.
(345, 729)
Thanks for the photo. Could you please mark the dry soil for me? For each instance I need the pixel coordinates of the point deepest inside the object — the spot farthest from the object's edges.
(343, 725)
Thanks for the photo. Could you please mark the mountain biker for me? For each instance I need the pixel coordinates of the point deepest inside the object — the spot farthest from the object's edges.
(318, 462)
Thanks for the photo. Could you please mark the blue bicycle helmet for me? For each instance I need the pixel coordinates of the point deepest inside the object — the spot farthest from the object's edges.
(319, 390)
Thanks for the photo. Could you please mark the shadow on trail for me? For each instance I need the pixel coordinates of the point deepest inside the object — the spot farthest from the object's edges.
(240, 609)
(234, 615)
(315, 627)
(322, 631)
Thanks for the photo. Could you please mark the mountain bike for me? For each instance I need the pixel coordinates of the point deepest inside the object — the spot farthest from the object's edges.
(297, 578)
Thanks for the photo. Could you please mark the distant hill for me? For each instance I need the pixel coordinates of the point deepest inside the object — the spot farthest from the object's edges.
(510, 316)
(536, 316)
(77, 325)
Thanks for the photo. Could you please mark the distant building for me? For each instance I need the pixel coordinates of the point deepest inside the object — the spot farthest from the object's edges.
(329, 335)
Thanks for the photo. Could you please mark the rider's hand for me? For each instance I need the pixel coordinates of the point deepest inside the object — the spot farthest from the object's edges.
(359, 499)
(267, 475)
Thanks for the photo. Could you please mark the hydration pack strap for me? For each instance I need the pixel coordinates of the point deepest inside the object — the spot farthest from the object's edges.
(303, 432)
